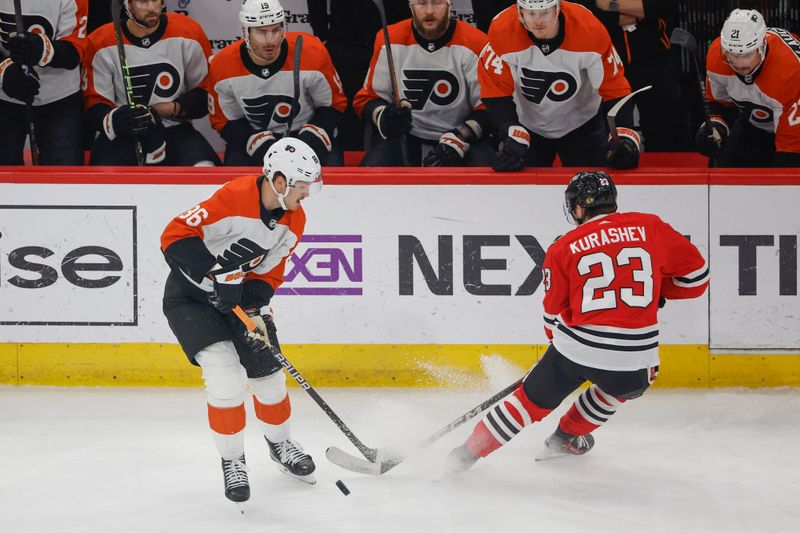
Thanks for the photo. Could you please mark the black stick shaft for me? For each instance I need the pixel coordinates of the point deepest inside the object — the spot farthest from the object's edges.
(30, 125)
(392, 74)
(116, 9)
(298, 54)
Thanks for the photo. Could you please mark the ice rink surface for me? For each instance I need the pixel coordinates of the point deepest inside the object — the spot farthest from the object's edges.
(142, 460)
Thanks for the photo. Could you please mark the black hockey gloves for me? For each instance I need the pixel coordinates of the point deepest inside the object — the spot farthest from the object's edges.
(258, 144)
(393, 121)
(19, 85)
(623, 152)
(712, 136)
(32, 49)
(227, 291)
(229, 273)
(513, 150)
(153, 142)
(127, 121)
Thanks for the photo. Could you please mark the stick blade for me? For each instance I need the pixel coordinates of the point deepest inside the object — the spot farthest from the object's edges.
(684, 39)
(343, 459)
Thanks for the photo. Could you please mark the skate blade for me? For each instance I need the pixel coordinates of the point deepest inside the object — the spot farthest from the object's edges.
(240, 506)
(546, 454)
(310, 478)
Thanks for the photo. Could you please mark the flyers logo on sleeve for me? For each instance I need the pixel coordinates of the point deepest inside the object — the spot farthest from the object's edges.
(536, 85)
(438, 86)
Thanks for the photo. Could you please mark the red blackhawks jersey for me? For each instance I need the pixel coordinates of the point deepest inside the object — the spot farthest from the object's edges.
(59, 20)
(439, 77)
(194, 241)
(163, 65)
(772, 102)
(556, 88)
(240, 88)
(602, 284)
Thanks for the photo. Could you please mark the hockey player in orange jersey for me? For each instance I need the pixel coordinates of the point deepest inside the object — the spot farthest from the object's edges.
(231, 250)
(441, 116)
(548, 77)
(167, 55)
(604, 282)
(753, 89)
(50, 49)
(251, 88)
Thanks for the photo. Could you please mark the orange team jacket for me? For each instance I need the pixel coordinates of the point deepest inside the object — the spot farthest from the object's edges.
(59, 20)
(239, 88)
(197, 240)
(602, 284)
(439, 77)
(772, 101)
(555, 90)
(164, 65)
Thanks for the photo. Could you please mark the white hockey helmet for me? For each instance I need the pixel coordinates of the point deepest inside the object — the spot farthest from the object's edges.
(743, 32)
(258, 13)
(296, 161)
(537, 5)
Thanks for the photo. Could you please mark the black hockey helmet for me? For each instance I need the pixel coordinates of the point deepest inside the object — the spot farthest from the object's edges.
(591, 190)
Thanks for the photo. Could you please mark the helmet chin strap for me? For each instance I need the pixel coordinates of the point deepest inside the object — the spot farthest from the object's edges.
(134, 19)
(280, 196)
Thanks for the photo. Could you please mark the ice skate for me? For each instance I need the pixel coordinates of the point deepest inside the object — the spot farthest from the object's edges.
(292, 460)
(237, 488)
(458, 461)
(561, 443)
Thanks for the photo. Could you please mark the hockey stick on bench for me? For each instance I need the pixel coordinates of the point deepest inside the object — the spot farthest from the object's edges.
(367, 452)
(386, 460)
(30, 125)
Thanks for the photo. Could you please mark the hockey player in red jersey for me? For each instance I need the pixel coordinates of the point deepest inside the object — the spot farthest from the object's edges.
(50, 50)
(252, 88)
(167, 57)
(753, 88)
(548, 77)
(231, 250)
(441, 114)
(603, 284)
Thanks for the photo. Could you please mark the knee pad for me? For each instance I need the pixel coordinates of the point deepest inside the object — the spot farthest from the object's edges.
(269, 389)
(223, 374)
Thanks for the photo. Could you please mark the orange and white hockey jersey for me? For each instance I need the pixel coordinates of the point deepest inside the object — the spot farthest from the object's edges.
(198, 239)
(239, 88)
(772, 102)
(59, 20)
(439, 77)
(555, 89)
(163, 66)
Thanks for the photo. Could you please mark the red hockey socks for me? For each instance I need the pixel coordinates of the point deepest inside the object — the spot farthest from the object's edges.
(504, 421)
(591, 410)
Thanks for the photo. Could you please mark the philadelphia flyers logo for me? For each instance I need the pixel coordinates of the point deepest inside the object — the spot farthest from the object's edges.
(32, 24)
(756, 114)
(538, 85)
(438, 86)
(263, 110)
(159, 79)
(244, 254)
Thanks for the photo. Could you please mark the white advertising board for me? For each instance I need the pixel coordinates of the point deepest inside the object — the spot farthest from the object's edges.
(380, 264)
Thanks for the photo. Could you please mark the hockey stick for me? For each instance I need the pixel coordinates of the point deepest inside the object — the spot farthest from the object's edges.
(116, 9)
(367, 452)
(393, 76)
(29, 123)
(611, 117)
(298, 51)
(389, 460)
(687, 41)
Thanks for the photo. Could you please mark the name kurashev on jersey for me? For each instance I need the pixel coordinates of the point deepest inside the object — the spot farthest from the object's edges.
(609, 236)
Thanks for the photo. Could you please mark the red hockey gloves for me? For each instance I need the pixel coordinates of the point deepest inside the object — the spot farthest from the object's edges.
(32, 49)
(623, 152)
(453, 146)
(712, 136)
(513, 150)
(393, 121)
(17, 84)
(127, 121)
(259, 143)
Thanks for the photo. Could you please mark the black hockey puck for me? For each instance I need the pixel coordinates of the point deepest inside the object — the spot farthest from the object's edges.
(342, 487)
